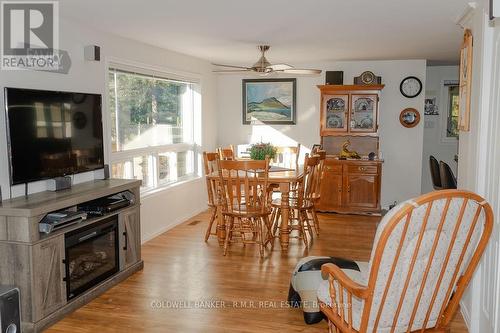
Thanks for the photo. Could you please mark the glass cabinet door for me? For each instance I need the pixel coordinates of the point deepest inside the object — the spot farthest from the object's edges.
(363, 113)
(335, 111)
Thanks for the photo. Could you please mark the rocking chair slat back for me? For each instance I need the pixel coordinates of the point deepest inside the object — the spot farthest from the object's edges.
(424, 254)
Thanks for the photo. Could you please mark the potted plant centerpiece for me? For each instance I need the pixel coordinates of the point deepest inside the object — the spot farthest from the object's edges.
(259, 151)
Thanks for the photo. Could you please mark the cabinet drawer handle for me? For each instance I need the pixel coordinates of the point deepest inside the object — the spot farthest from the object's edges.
(328, 167)
(348, 188)
(362, 168)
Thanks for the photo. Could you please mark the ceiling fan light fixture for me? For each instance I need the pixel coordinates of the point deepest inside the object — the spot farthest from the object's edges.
(262, 63)
(263, 67)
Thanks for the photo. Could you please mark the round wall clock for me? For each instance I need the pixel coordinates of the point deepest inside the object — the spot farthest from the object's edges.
(410, 87)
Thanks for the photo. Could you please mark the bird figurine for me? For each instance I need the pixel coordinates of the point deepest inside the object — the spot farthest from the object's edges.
(346, 153)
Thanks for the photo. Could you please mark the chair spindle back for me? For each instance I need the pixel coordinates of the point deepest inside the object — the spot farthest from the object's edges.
(226, 153)
(423, 257)
(244, 186)
(210, 166)
(306, 185)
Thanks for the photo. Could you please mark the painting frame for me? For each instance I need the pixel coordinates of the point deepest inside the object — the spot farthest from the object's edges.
(292, 119)
(465, 82)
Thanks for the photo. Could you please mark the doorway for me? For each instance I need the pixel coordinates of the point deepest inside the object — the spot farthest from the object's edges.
(441, 133)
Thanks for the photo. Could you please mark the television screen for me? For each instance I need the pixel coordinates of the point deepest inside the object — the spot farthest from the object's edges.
(52, 133)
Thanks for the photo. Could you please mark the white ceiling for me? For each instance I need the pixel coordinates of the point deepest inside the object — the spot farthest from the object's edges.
(299, 31)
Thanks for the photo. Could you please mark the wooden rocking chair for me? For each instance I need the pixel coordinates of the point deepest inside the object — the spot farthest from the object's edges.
(424, 254)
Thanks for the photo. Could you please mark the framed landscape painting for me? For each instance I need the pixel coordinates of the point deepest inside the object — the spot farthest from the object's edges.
(269, 101)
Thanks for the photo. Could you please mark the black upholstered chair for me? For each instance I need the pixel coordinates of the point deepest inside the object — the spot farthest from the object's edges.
(435, 173)
(448, 180)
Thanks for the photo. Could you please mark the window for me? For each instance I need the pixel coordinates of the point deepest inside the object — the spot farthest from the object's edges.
(152, 128)
(452, 115)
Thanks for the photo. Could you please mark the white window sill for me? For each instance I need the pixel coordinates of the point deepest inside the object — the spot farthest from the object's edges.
(168, 187)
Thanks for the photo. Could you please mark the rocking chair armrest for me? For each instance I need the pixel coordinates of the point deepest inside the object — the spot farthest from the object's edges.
(345, 281)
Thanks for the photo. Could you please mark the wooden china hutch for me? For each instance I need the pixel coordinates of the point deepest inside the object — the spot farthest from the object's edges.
(350, 119)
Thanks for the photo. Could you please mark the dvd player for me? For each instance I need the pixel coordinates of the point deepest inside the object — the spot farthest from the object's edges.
(61, 219)
(102, 206)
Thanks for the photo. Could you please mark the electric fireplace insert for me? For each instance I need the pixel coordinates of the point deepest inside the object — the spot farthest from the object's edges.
(92, 255)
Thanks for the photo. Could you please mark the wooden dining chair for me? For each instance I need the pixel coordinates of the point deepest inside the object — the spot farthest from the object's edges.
(316, 196)
(210, 166)
(245, 203)
(423, 258)
(226, 153)
(435, 173)
(300, 204)
(287, 157)
(448, 179)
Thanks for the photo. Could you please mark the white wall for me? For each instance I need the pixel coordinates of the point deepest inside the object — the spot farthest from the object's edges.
(468, 161)
(402, 147)
(435, 142)
(163, 209)
(478, 164)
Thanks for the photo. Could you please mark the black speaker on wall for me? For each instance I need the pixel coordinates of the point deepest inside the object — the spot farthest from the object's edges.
(92, 53)
(10, 312)
(334, 77)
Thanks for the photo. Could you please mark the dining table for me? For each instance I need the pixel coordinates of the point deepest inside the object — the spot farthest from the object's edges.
(284, 178)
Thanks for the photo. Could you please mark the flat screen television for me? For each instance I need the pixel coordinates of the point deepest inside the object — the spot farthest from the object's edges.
(52, 133)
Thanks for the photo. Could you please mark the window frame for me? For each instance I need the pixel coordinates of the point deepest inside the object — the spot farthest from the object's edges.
(448, 113)
(154, 151)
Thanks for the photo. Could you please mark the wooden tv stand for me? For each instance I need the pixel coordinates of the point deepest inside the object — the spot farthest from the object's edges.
(33, 261)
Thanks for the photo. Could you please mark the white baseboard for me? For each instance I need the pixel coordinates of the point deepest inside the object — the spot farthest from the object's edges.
(166, 228)
(465, 314)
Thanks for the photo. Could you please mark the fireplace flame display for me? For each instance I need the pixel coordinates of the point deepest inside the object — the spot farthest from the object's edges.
(91, 256)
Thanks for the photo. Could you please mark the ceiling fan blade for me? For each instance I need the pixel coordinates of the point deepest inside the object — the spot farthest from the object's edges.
(228, 71)
(280, 67)
(299, 71)
(231, 66)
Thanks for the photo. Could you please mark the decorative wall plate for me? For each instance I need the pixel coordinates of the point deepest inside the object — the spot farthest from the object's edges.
(409, 117)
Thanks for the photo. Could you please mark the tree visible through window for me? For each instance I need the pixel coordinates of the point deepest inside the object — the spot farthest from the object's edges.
(151, 128)
(453, 100)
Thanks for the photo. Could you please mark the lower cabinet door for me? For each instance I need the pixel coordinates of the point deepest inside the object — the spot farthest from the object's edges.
(361, 191)
(130, 238)
(330, 191)
(49, 288)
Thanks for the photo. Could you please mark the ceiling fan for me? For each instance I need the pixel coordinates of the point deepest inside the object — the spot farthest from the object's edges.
(264, 67)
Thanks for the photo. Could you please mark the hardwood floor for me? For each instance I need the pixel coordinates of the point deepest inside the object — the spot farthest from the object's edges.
(180, 268)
